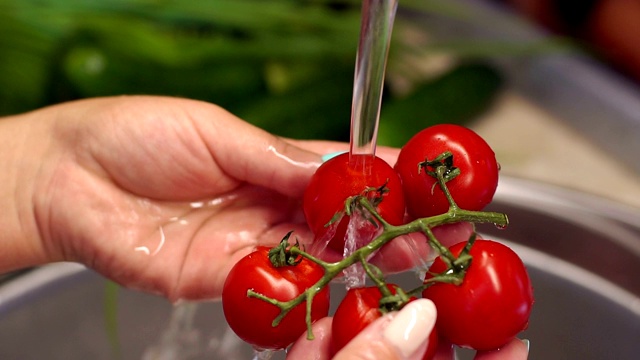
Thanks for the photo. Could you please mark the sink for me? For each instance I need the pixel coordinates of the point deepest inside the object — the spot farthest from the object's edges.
(582, 252)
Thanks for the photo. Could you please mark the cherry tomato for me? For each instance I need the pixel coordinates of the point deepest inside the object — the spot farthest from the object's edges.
(493, 303)
(251, 318)
(342, 177)
(359, 308)
(472, 189)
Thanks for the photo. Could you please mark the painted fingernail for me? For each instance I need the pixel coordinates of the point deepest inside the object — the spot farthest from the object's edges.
(526, 343)
(411, 326)
(329, 156)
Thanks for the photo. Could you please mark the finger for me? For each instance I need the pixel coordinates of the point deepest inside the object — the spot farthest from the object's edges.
(516, 349)
(403, 253)
(248, 153)
(396, 336)
(413, 251)
(451, 234)
(316, 349)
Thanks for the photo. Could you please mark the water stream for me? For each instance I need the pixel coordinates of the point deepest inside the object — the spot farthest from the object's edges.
(182, 340)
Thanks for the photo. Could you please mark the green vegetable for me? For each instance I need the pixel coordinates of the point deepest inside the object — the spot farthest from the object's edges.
(457, 96)
(284, 65)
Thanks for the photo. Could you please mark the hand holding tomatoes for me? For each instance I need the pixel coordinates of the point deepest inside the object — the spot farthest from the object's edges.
(444, 175)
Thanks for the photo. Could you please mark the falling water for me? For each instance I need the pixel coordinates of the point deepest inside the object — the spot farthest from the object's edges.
(183, 340)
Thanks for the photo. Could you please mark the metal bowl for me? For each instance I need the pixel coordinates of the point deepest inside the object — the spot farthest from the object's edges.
(583, 255)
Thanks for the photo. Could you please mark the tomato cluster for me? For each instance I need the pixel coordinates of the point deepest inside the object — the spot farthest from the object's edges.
(443, 172)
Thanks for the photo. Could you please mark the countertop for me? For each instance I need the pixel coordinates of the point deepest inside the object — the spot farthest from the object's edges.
(532, 143)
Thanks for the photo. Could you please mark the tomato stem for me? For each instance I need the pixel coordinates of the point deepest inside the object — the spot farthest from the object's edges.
(389, 233)
(441, 172)
(282, 255)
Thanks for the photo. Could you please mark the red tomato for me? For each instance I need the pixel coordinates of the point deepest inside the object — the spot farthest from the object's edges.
(472, 189)
(344, 176)
(493, 303)
(359, 308)
(251, 318)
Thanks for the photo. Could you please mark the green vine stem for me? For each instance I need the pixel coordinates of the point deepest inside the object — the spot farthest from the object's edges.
(457, 266)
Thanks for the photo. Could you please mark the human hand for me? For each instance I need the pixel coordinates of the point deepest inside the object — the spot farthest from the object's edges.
(158, 194)
(402, 335)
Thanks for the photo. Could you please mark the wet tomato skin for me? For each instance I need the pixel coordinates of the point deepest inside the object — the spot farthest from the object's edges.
(251, 318)
(493, 303)
(358, 309)
(341, 177)
(472, 189)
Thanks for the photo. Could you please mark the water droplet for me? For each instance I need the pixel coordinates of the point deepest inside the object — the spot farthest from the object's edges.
(148, 250)
(259, 354)
(180, 340)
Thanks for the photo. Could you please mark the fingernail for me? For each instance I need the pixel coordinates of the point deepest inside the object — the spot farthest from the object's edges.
(329, 156)
(411, 326)
(526, 343)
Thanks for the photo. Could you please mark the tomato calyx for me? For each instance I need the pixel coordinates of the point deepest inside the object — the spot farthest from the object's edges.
(374, 195)
(390, 300)
(443, 170)
(441, 165)
(282, 255)
(456, 265)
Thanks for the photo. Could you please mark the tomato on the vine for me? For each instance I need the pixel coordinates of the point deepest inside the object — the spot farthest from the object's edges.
(472, 189)
(359, 308)
(342, 177)
(251, 318)
(492, 304)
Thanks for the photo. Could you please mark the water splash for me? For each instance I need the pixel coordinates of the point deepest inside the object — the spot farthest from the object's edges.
(358, 234)
(182, 340)
(319, 245)
(259, 354)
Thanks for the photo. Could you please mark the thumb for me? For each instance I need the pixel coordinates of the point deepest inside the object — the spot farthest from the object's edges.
(403, 335)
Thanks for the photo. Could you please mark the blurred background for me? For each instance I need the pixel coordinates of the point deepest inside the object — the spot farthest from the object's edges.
(553, 85)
